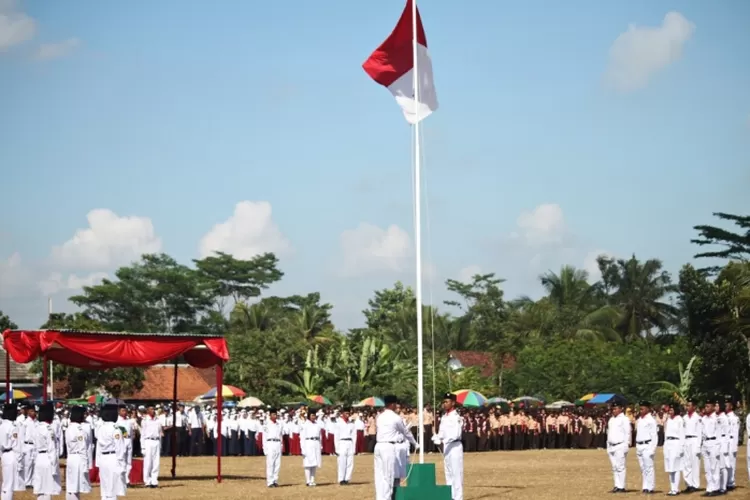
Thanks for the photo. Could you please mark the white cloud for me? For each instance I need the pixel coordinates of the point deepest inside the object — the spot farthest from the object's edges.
(545, 225)
(250, 231)
(369, 248)
(56, 283)
(642, 51)
(15, 26)
(108, 242)
(56, 50)
(467, 273)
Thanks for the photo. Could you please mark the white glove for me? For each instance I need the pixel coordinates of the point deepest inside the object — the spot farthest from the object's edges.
(436, 439)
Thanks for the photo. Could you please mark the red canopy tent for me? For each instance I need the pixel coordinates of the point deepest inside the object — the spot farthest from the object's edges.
(102, 350)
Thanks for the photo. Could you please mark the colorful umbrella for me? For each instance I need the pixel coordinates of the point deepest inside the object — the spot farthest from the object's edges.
(559, 405)
(250, 402)
(227, 391)
(472, 399)
(373, 402)
(321, 400)
(497, 401)
(584, 399)
(16, 394)
(528, 401)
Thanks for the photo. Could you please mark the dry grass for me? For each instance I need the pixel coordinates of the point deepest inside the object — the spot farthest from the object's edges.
(559, 475)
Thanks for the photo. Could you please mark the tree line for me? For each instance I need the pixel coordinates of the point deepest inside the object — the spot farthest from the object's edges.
(633, 332)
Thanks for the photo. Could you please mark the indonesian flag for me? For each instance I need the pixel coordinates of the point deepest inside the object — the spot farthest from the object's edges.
(392, 65)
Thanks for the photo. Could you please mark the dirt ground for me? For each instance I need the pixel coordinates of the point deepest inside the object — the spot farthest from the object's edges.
(559, 475)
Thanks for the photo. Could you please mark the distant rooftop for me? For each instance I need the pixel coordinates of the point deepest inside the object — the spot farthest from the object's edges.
(125, 334)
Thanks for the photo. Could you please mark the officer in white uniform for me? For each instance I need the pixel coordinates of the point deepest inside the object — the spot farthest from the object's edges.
(734, 443)
(11, 445)
(691, 463)
(390, 432)
(312, 457)
(646, 441)
(272, 431)
(449, 436)
(111, 455)
(710, 449)
(77, 440)
(151, 435)
(674, 448)
(126, 427)
(618, 445)
(346, 439)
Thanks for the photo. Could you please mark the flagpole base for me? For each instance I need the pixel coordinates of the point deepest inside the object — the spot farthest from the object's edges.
(422, 485)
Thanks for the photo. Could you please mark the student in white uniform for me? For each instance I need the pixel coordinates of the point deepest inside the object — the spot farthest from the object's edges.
(312, 456)
(674, 448)
(46, 466)
(29, 454)
(710, 449)
(722, 425)
(346, 439)
(151, 435)
(11, 444)
(111, 455)
(449, 436)
(618, 445)
(126, 427)
(77, 440)
(747, 426)
(646, 441)
(734, 443)
(691, 463)
(390, 431)
(272, 432)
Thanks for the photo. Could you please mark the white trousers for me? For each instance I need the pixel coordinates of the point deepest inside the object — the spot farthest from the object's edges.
(618, 458)
(453, 463)
(345, 460)
(732, 471)
(674, 482)
(646, 455)
(129, 460)
(691, 463)
(711, 459)
(13, 478)
(151, 449)
(385, 470)
(28, 464)
(273, 461)
(72, 496)
(310, 475)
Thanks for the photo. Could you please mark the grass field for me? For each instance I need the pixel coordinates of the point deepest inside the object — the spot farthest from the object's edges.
(559, 475)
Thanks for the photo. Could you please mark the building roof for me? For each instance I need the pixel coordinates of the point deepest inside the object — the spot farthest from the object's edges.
(159, 379)
(18, 372)
(482, 360)
(132, 334)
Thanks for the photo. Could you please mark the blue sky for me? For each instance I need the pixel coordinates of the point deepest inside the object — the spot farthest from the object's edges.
(555, 139)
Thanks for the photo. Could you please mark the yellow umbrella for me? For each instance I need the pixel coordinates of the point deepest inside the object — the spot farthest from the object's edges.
(17, 394)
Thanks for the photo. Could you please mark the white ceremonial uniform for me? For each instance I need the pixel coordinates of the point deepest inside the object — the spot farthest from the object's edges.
(127, 439)
(674, 450)
(646, 440)
(58, 428)
(29, 455)
(312, 457)
(402, 454)
(46, 463)
(346, 438)
(88, 428)
(11, 442)
(691, 463)
(77, 440)
(722, 426)
(449, 435)
(747, 426)
(710, 450)
(272, 450)
(390, 431)
(734, 444)
(618, 445)
(151, 432)
(112, 460)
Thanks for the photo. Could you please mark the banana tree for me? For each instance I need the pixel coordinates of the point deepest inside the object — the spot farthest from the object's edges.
(312, 381)
(678, 392)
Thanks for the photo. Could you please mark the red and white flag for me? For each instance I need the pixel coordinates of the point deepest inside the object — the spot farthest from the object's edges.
(392, 65)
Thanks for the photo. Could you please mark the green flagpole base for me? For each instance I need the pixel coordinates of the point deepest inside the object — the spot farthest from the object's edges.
(421, 485)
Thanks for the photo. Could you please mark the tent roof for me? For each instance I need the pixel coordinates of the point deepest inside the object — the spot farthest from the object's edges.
(101, 350)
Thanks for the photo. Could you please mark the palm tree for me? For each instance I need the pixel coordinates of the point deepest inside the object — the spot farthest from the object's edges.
(313, 323)
(312, 381)
(252, 317)
(638, 292)
(569, 288)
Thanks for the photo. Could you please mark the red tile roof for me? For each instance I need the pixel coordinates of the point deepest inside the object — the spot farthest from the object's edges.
(18, 372)
(483, 360)
(159, 379)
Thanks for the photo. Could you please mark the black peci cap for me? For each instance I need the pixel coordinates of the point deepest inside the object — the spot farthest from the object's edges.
(77, 413)
(109, 413)
(10, 411)
(46, 412)
(616, 404)
(644, 403)
(390, 400)
(450, 395)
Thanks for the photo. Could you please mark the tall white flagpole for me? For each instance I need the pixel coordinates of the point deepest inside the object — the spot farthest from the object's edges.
(51, 387)
(418, 238)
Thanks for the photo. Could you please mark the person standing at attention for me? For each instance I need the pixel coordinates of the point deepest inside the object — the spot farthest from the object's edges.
(691, 463)
(390, 431)
(734, 443)
(151, 434)
(272, 448)
(11, 442)
(77, 440)
(312, 448)
(618, 445)
(47, 466)
(346, 435)
(449, 436)
(711, 449)
(646, 440)
(126, 427)
(674, 448)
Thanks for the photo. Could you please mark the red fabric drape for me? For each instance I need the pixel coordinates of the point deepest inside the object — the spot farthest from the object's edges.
(99, 351)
